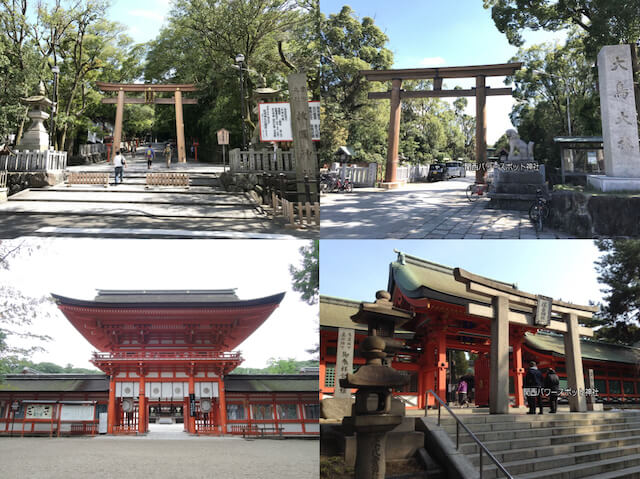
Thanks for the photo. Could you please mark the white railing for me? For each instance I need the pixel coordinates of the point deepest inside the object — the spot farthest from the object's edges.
(3, 179)
(412, 174)
(359, 175)
(89, 150)
(362, 176)
(34, 161)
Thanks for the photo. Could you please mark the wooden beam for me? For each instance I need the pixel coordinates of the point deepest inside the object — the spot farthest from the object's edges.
(142, 101)
(386, 95)
(502, 69)
(146, 87)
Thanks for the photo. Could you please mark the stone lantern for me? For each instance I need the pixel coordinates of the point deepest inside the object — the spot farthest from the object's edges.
(374, 413)
(36, 137)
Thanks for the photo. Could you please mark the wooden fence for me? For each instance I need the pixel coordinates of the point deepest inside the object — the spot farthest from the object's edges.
(87, 178)
(167, 179)
(262, 161)
(297, 215)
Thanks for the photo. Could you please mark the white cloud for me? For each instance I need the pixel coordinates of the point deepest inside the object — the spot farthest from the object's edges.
(151, 15)
(432, 62)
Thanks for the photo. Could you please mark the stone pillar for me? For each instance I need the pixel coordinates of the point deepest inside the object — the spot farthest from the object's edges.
(111, 408)
(117, 131)
(142, 407)
(371, 452)
(481, 128)
(499, 357)
(394, 132)
(619, 116)
(518, 371)
(182, 155)
(305, 158)
(573, 364)
(344, 361)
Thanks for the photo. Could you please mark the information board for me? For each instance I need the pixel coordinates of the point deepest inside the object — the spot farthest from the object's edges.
(275, 121)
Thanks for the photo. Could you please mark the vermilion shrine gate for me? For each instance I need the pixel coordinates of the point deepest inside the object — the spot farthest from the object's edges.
(150, 98)
(480, 92)
(164, 348)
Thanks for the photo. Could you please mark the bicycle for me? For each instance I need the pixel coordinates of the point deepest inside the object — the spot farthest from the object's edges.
(539, 211)
(476, 190)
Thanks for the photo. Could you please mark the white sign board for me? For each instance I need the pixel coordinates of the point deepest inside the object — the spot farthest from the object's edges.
(39, 411)
(74, 412)
(275, 121)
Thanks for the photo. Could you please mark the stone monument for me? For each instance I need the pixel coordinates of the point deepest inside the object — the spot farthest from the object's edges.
(619, 121)
(36, 138)
(518, 177)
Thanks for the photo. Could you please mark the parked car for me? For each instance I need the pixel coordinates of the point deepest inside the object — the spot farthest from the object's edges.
(436, 172)
(455, 168)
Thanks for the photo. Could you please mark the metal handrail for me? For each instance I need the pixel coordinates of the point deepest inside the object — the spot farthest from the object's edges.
(459, 423)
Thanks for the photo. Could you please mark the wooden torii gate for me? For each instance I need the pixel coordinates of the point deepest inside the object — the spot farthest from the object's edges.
(396, 94)
(149, 98)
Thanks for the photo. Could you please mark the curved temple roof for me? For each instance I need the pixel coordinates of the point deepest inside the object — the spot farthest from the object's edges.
(213, 320)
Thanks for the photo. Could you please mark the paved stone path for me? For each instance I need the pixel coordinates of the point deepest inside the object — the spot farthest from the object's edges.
(437, 210)
(192, 458)
(204, 209)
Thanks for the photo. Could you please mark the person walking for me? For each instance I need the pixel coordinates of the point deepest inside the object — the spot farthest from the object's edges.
(552, 383)
(462, 393)
(149, 155)
(167, 154)
(119, 163)
(533, 384)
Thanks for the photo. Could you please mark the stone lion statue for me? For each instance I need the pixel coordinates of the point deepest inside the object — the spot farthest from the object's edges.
(519, 149)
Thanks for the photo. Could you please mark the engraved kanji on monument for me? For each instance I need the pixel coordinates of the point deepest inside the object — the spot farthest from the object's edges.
(619, 116)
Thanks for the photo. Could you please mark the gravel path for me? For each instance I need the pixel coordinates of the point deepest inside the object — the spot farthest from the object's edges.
(217, 458)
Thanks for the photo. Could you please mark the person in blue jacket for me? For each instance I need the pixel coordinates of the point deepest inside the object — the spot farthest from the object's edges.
(533, 384)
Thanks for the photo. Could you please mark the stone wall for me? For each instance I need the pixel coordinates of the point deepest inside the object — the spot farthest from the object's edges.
(19, 181)
(586, 216)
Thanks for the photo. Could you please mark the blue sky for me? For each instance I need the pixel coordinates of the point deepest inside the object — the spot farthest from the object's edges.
(429, 33)
(562, 269)
(143, 18)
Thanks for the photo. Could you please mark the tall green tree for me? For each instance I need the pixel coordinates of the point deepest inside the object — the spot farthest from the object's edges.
(604, 22)
(619, 271)
(349, 118)
(306, 277)
(550, 74)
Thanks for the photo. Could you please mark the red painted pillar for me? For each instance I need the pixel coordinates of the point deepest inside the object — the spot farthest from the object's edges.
(111, 409)
(421, 390)
(442, 365)
(518, 371)
(142, 408)
(192, 390)
(223, 406)
(429, 375)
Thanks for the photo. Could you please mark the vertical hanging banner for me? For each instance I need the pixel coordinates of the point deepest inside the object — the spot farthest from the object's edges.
(275, 121)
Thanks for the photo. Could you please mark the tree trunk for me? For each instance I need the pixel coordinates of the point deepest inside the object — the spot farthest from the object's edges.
(21, 127)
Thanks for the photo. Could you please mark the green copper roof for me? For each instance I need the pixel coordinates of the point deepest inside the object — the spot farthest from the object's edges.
(271, 383)
(597, 350)
(337, 312)
(418, 278)
(55, 383)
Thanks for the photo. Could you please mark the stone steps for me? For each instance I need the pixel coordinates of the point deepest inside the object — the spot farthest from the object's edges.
(562, 446)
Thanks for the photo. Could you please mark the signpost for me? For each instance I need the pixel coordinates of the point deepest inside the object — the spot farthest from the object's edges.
(276, 125)
(223, 139)
(543, 311)
(192, 405)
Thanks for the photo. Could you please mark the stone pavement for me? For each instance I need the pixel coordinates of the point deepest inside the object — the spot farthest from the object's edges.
(119, 457)
(203, 210)
(437, 210)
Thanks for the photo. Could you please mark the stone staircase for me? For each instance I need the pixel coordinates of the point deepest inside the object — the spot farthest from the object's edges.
(554, 446)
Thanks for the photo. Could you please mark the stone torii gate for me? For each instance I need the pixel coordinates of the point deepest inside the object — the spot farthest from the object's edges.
(149, 98)
(396, 94)
(512, 306)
